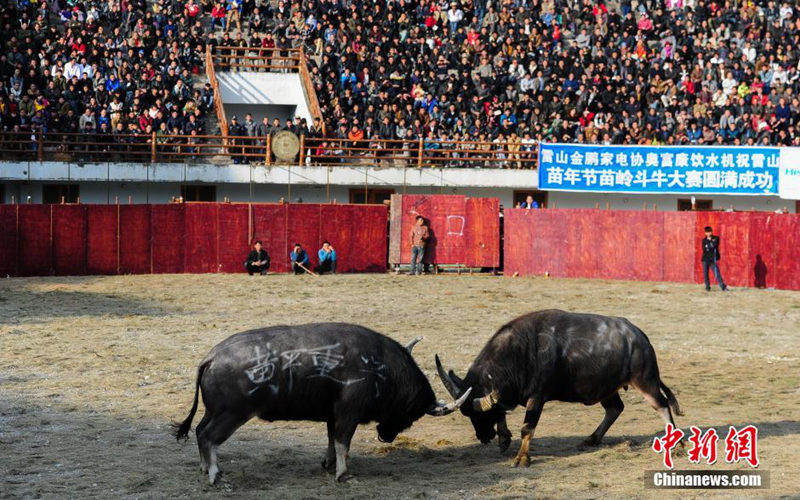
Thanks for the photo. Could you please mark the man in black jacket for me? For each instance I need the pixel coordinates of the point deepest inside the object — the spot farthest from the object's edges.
(710, 246)
(257, 261)
(236, 130)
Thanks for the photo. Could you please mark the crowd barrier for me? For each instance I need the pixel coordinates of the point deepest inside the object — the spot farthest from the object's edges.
(757, 248)
(154, 147)
(463, 230)
(41, 240)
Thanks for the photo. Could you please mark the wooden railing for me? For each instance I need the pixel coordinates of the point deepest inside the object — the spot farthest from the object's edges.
(257, 59)
(156, 147)
(417, 153)
(310, 92)
(218, 107)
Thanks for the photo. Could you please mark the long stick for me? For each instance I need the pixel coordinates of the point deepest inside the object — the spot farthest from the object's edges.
(309, 271)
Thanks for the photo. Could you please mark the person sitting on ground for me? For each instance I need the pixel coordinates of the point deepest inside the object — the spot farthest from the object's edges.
(258, 260)
(327, 259)
(299, 259)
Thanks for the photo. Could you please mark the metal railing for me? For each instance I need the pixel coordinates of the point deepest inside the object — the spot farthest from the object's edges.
(156, 147)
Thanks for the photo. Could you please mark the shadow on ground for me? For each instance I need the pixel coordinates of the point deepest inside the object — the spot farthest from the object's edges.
(30, 305)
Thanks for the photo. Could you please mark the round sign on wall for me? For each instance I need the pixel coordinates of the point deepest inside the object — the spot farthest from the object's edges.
(285, 145)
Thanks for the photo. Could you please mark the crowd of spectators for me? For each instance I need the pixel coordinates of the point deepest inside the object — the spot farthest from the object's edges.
(517, 71)
(117, 71)
(652, 72)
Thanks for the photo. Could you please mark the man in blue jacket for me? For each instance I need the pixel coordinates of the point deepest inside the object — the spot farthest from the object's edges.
(327, 259)
(299, 259)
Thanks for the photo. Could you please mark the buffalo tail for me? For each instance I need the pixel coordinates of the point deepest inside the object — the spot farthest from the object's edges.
(182, 429)
(673, 403)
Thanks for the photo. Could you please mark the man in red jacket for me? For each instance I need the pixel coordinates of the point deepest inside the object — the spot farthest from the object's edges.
(419, 238)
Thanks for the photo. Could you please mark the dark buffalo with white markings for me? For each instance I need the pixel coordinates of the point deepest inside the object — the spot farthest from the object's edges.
(558, 356)
(337, 373)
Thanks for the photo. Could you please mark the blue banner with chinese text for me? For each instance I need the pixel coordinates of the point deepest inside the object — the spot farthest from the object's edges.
(659, 169)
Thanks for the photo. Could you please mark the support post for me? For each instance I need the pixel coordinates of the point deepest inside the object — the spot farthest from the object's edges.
(302, 149)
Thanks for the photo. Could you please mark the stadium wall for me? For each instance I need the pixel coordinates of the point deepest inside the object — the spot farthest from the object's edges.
(271, 92)
(240, 191)
(758, 249)
(41, 240)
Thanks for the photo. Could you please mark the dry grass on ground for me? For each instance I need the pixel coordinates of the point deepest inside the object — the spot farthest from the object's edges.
(92, 370)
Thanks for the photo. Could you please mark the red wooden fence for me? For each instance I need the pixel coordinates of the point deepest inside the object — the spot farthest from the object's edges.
(463, 230)
(40, 240)
(652, 246)
(758, 249)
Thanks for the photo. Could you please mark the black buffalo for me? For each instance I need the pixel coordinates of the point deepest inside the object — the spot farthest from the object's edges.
(558, 356)
(336, 373)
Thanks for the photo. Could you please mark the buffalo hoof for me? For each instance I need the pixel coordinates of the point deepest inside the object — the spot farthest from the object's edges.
(591, 441)
(342, 478)
(503, 442)
(524, 461)
(213, 474)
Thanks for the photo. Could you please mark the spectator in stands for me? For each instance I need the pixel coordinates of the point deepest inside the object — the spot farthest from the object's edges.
(419, 240)
(234, 15)
(249, 127)
(529, 203)
(263, 131)
(276, 127)
(218, 15)
(237, 132)
(299, 259)
(710, 258)
(327, 259)
(548, 70)
(117, 63)
(258, 260)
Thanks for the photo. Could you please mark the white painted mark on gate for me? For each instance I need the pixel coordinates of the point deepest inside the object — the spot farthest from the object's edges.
(455, 225)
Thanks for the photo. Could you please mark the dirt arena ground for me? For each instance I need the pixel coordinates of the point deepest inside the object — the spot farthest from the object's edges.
(93, 369)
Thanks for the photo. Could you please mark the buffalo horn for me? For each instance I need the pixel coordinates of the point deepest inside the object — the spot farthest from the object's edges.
(452, 388)
(440, 408)
(411, 344)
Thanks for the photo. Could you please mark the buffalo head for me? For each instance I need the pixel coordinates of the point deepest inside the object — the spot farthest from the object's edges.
(401, 418)
(485, 411)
